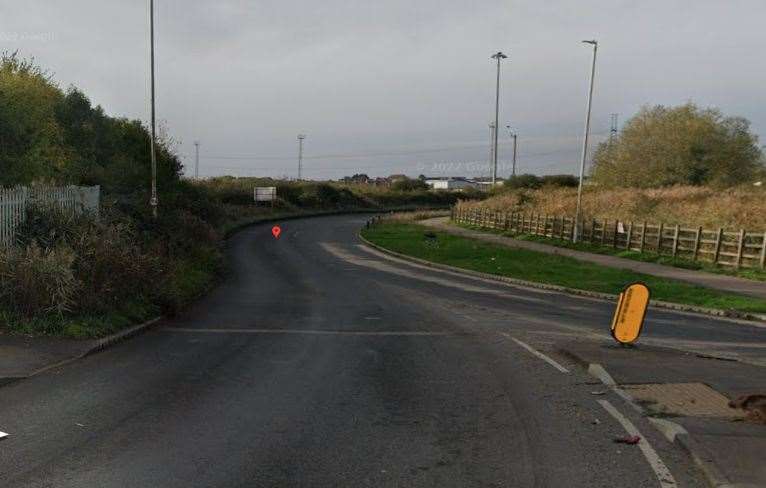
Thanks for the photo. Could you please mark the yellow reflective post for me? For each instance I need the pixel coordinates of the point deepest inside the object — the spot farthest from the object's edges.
(629, 316)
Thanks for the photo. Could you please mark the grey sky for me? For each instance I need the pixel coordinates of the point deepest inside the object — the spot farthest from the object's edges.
(399, 86)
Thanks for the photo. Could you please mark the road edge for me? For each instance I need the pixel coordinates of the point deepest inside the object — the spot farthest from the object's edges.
(752, 320)
(137, 329)
(675, 433)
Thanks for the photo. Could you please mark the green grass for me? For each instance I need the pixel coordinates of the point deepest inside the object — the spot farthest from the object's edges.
(647, 257)
(81, 326)
(462, 252)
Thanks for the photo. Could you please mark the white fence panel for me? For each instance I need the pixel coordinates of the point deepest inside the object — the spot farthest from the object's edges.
(15, 201)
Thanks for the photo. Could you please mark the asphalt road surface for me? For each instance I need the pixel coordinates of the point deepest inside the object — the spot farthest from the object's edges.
(320, 363)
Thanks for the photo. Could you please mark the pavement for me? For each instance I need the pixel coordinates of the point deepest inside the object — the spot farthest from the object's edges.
(731, 447)
(726, 283)
(322, 362)
(23, 356)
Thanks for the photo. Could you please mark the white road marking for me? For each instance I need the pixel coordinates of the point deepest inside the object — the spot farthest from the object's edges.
(341, 253)
(537, 353)
(660, 469)
(3, 434)
(309, 332)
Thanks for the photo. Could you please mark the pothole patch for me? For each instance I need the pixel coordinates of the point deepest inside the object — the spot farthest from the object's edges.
(682, 399)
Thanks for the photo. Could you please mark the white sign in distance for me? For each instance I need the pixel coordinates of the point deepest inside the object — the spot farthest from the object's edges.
(265, 193)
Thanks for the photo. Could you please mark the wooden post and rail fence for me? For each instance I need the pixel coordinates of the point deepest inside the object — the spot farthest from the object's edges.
(740, 249)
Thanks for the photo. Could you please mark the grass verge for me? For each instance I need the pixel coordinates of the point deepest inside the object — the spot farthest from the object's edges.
(409, 238)
(647, 257)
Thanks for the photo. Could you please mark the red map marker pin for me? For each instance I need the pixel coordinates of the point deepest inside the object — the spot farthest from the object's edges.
(276, 230)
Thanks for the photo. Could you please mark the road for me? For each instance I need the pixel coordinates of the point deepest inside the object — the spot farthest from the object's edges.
(320, 363)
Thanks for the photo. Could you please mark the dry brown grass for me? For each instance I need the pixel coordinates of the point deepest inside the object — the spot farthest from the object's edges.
(732, 208)
(416, 215)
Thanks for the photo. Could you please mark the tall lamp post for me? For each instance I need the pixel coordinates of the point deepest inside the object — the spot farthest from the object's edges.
(514, 136)
(497, 56)
(576, 230)
(154, 200)
(491, 146)
(196, 160)
(301, 137)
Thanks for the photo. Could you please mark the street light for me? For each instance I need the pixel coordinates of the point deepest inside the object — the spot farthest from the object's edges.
(301, 137)
(575, 231)
(514, 135)
(491, 146)
(154, 200)
(497, 56)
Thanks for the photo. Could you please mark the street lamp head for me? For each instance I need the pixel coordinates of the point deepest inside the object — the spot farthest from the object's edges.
(593, 42)
(499, 55)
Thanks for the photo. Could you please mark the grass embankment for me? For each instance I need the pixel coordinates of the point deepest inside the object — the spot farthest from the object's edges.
(461, 252)
(742, 207)
(646, 257)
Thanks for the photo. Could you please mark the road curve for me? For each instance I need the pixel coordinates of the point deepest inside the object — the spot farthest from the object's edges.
(319, 363)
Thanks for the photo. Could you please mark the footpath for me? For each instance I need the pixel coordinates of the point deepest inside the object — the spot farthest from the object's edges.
(686, 395)
(726, 283)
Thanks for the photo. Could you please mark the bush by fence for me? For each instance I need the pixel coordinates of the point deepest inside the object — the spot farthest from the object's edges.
(736, 249)
(14, 203)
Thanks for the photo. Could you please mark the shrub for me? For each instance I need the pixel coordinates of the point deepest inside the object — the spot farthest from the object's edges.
(683, 145)
(112, 268)
(409, 185)
(523, 181)
(560, 180)
(37, 281)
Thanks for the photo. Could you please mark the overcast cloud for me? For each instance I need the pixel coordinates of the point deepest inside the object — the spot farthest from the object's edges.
(398, 86)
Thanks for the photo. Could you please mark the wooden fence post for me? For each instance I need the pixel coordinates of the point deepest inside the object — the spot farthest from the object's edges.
(629, 239)
(659, 237)
(697, 238)
(603, 232)
(593, 231)
(643, 237)
(763, 251)
(718, 237)
(675, 240)
(740, 246)
(616, 228)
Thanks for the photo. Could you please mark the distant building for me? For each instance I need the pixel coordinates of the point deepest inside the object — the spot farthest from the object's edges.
(451, 183)
(485, 183)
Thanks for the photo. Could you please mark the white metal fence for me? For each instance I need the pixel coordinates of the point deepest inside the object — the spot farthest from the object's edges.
(15, 201)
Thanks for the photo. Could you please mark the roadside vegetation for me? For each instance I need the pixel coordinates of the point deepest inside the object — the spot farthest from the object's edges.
(731, 208)
(83, 277)
(647, 256)
(684, 164)
(421, 242)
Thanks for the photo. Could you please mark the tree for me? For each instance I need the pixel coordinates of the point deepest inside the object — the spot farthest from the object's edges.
(663, 146)
(31, 142)
(48, 135)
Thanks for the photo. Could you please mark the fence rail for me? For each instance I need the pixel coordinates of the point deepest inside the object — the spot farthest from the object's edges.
(741, 249)
(14, 203)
